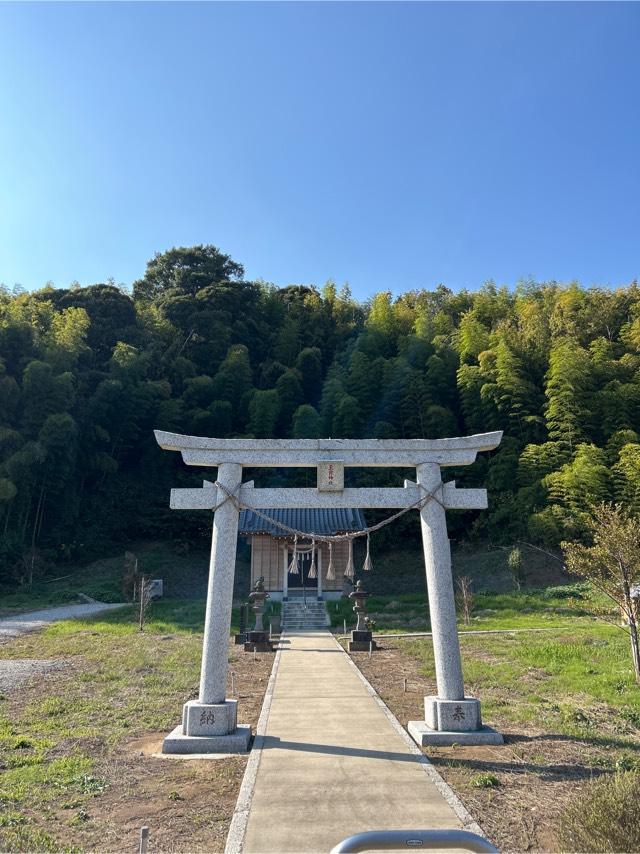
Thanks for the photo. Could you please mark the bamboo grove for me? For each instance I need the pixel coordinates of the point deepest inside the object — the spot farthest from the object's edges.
(86, 373)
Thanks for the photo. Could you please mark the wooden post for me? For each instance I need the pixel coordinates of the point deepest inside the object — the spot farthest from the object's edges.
(142, 596)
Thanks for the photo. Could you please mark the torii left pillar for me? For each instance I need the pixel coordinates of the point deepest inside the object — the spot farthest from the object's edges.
(210, 723)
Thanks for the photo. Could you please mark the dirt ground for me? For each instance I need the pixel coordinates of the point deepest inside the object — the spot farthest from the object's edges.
(537, 771)
(187, 803)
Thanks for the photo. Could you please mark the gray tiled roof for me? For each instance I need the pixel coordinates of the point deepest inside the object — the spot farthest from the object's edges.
(303, 519)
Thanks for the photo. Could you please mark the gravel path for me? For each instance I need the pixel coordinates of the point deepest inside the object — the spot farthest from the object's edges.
(11, 627)
(15, 672)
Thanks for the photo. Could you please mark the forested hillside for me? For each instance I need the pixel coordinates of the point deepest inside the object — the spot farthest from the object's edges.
(86, 373)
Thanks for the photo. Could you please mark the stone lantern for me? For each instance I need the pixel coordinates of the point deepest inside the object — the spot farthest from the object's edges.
(258, 639)
(361, 639)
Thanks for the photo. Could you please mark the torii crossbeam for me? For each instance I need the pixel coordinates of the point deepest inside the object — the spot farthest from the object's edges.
(210, 723)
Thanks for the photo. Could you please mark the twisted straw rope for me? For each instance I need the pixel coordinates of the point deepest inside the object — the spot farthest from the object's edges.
(231, 495)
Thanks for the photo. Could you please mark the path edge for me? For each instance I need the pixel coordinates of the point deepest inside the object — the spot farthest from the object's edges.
(240, 818)
(468, 821)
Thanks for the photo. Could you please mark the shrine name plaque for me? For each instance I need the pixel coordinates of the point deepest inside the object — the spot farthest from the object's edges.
(330, 475)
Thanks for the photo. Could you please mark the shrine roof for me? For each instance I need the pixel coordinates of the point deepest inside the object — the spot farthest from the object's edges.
(324, 522)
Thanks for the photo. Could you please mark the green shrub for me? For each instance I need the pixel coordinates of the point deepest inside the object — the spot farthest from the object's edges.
(485, 781)
(604, 816)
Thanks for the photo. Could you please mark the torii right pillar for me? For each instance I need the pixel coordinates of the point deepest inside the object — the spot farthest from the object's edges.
(450, 716)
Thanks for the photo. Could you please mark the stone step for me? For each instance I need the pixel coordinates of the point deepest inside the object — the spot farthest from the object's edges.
(319, 608)
(307, 616)
(311, 606)
(304, 611)
(298, 616)
(311, 611)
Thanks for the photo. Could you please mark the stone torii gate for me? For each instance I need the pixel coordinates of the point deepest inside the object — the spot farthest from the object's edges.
(209, 724)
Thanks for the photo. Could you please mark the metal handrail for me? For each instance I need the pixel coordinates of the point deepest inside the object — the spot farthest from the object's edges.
(430, 840)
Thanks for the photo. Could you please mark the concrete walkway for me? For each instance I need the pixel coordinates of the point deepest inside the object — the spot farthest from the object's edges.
(330, 760)
(18, 624)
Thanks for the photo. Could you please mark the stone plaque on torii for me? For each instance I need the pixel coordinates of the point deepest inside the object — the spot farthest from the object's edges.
(209, 724)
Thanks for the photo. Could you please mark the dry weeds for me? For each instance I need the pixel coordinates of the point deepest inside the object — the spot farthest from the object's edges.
(538, 770)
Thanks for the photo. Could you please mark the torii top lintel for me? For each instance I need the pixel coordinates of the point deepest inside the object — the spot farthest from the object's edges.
(401, 453)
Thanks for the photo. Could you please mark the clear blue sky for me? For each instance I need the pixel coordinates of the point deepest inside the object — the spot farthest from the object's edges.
(390, 145)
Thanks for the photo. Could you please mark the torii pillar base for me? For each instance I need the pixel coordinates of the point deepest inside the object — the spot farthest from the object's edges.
(450, 722)
(208, 728)
(235, 742)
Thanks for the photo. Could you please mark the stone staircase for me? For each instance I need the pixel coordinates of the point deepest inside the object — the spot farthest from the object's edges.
(298, 617)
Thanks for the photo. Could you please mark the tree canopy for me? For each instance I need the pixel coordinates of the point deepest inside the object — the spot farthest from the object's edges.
(86, 373)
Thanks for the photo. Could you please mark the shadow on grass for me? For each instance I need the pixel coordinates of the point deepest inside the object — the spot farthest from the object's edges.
(594, 740)
(550, 773)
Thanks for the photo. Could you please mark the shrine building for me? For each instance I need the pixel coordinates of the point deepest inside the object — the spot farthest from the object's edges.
(272, 550)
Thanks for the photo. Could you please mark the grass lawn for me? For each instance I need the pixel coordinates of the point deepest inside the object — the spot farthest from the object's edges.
(75, 745)
(530, 608)
(565, 698)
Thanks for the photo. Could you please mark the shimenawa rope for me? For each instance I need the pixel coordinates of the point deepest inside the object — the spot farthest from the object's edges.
(231, 495)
